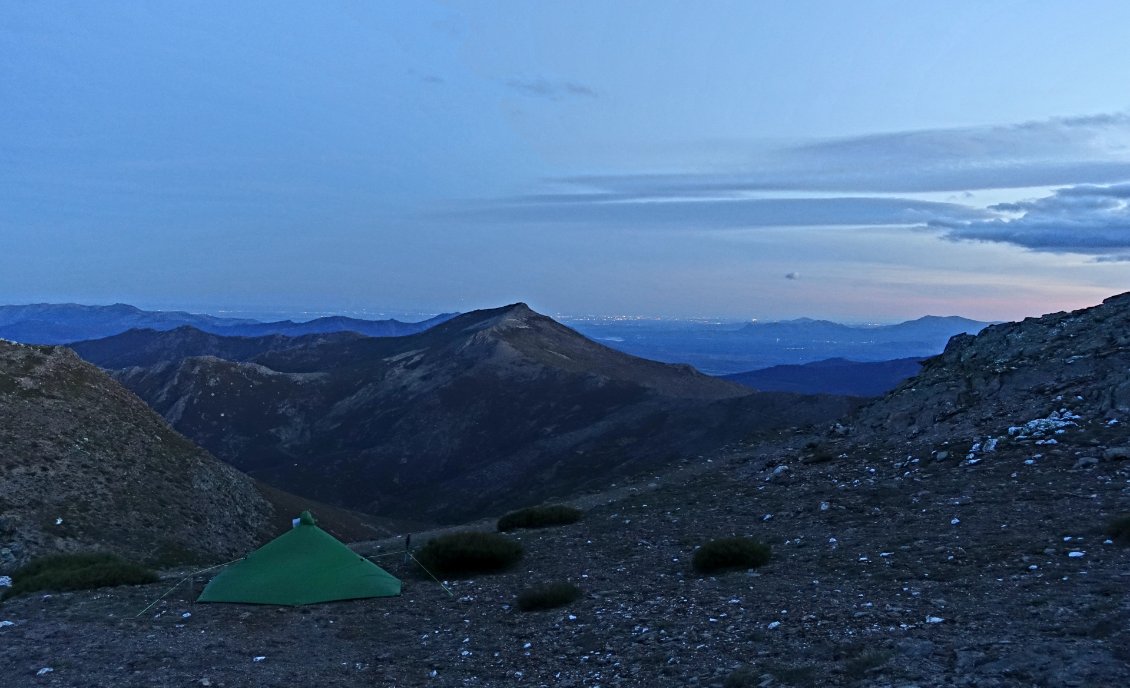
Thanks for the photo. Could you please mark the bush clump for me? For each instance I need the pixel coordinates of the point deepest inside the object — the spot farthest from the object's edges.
(1119, 529)
(468, 553)
(547, 596)
(540, 517)
(730, 553)
(78, 572)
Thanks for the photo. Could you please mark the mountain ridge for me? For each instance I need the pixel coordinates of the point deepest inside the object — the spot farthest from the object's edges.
(504, 403)
(46, 323)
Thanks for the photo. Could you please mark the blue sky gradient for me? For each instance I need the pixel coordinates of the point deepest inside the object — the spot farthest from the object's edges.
(644, 158)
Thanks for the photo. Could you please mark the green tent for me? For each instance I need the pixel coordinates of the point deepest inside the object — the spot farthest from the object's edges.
(303, 566)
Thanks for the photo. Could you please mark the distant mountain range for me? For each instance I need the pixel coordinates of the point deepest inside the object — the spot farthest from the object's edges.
(713, 348)
(723, 349)
(483, 412)
(47, 323)
(832, 376)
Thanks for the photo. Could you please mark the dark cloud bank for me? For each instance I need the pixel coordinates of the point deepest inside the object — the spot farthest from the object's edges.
(1080, 219)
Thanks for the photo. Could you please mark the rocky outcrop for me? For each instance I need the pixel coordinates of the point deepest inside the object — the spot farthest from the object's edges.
(1077, 362)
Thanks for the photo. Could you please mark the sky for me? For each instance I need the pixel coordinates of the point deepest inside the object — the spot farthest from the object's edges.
(856, 161)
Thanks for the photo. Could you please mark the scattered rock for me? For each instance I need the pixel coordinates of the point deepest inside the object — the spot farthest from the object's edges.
(1085, 462)
(1116, 454)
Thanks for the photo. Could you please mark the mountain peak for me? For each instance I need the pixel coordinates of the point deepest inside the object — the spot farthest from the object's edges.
(519, 311)
(515, 315)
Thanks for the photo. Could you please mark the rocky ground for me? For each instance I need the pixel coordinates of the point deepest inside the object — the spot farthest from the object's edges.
(86, 464)
(899, 564)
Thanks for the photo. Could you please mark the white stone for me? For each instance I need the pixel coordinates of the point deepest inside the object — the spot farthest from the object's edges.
(934, 619)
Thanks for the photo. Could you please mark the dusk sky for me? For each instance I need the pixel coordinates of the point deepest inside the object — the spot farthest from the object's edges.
(848, 160)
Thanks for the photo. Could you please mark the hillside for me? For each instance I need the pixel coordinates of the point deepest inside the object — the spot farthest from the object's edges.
(831, 376)
(1014, 373)
(147, 347)
(897, 560)
(493, 407)
(85, 463)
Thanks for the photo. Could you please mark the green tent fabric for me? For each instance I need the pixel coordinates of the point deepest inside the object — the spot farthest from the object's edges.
(303, 566)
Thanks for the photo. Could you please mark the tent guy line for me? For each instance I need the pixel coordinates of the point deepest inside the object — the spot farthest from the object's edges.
(177, 584)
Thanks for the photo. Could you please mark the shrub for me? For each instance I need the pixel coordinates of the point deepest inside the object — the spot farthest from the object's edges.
(78, 572)
(818, 453)
(730, 553)
(1119, 529)
(540, 517)
(547, 596)
(468, 553)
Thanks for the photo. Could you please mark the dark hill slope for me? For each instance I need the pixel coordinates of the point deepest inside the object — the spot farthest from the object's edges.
(831, 376)
(85, 463)
(488, 409)
(146, 347)
(329, 324)
(1012, 373)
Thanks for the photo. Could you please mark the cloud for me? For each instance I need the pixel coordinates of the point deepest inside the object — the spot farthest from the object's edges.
(552, 90)
(792, 276)
(857, 182)
(722, 213)
(1054, 152)
(1085, 219)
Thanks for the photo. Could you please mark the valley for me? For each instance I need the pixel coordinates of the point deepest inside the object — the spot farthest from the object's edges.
(953, 532)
